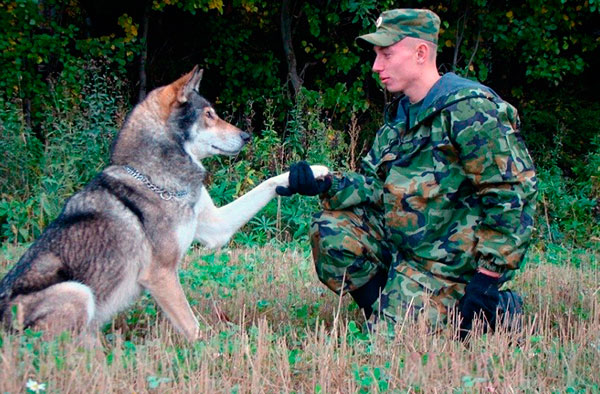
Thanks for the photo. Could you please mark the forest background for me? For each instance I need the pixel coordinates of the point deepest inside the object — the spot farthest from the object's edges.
(292, 74)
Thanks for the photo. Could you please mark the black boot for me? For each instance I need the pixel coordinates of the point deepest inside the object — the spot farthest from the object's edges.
(510, 309)
(366, 295)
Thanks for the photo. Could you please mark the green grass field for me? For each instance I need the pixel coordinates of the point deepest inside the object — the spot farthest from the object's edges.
(269, 326)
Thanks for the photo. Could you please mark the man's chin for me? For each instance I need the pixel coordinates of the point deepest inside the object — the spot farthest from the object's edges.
(393, 89)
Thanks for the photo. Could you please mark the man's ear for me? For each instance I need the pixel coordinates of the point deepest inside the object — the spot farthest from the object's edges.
(422, 52)
(193, 83)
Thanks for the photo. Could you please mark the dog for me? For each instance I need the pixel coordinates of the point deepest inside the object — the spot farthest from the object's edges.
(129, 228)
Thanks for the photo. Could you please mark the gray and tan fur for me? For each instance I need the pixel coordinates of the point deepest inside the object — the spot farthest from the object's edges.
(128, 229)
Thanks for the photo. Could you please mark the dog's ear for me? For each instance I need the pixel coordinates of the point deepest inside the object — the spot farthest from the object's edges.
(178, 91)
(193, 83)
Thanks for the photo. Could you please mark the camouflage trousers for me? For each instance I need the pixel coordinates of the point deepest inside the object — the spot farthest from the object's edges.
(350, 247)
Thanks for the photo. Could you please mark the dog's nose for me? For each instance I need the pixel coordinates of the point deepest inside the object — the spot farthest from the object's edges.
(245, 136)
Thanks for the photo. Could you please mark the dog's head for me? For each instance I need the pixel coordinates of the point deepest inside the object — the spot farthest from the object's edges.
(194, 122)
(176, 118)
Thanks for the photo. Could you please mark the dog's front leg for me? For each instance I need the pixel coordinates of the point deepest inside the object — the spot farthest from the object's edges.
(163, 284)
(217, 225)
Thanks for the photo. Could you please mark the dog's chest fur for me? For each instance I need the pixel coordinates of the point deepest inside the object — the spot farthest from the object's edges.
(185, 229)
(170, 227)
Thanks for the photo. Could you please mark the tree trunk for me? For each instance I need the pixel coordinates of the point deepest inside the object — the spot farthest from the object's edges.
(144, 53)
(288, 48)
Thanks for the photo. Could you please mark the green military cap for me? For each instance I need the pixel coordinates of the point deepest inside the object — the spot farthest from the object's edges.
(394, 25)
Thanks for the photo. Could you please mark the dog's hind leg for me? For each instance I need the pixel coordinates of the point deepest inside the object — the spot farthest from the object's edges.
(64, 306)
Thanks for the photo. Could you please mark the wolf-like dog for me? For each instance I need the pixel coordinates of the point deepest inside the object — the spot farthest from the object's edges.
(128, 229)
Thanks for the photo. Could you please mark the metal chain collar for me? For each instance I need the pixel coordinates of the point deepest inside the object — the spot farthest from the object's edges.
(163, 194)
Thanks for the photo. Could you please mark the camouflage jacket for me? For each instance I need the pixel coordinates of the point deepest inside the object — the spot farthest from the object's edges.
(457, 190)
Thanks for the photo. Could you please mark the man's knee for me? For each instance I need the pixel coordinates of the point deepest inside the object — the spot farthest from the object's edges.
(322, 240)
(344, 257)
(326, 234)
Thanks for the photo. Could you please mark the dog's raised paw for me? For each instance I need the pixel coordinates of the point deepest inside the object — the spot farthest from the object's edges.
(319, 171)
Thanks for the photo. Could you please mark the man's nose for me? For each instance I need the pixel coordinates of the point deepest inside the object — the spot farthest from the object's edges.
(377, 65)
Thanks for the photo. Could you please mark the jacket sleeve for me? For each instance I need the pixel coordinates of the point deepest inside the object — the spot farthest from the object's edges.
(351, 188)
(496, 161)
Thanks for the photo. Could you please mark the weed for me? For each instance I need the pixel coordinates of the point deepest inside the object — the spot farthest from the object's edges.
(286, 333)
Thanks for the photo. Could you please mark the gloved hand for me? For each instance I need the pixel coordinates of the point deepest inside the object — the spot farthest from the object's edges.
(481, 299)
(302, 181)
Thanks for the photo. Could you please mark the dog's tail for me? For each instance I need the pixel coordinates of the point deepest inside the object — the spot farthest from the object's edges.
(7, 284)
(3, 305)
(6, 292)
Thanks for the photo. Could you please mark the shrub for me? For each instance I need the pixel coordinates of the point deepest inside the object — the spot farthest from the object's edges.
(37, 177)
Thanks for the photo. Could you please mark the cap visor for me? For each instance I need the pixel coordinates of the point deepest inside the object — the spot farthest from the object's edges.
(381, 40)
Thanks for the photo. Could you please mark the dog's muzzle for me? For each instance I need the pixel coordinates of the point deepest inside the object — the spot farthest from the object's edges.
(245, 137)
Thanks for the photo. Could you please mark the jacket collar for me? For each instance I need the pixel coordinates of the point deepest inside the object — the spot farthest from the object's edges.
(449, 89)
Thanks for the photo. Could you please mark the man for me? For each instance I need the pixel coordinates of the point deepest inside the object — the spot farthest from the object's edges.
(442, 213)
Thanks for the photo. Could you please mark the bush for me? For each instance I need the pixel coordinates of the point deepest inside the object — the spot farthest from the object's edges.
(37, 177)
(84, 114)
(563, 137)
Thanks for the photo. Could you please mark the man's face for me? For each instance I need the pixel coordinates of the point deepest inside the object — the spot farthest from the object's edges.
(397, 65)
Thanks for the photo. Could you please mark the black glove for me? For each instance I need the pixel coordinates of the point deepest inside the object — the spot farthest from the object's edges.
(302, 181)
(481, 299)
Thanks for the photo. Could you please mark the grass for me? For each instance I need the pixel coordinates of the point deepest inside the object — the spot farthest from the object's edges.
(269, 326)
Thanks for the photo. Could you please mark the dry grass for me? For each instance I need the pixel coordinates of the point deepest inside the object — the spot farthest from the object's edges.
(287, 334)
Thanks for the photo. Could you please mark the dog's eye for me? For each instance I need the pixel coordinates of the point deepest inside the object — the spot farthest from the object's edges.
(209, 114)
